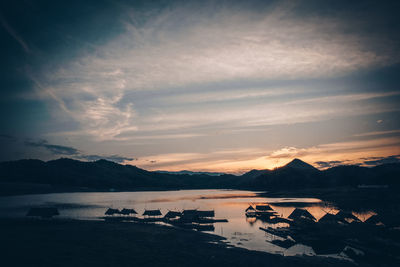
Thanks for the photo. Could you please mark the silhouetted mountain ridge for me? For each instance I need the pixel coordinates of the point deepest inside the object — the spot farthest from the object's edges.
(104, 175)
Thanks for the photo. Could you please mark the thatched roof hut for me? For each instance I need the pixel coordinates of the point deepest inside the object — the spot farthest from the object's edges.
(264, 208)
(347, 217)
(173, 214)
(43, 212)
(301, 214)
(328, 218)
(189, 212)
(111, 211)
(152, 213)
(205, 213)
(128, 211)
(250, 208)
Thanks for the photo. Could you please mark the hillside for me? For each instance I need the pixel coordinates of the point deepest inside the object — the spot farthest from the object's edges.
(30, 176)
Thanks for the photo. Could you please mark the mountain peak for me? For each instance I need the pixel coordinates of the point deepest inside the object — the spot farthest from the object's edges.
(299, 164)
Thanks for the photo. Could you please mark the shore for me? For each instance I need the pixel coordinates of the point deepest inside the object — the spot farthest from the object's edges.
(28, 242)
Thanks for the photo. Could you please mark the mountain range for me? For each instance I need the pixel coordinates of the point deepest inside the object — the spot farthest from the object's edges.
(73, 175)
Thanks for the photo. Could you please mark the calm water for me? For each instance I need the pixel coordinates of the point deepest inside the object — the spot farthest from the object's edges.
(227, 204)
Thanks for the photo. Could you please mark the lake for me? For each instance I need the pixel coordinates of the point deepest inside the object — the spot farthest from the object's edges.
(239, 231)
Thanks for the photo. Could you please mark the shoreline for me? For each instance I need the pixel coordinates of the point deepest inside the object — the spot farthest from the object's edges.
(66, 242)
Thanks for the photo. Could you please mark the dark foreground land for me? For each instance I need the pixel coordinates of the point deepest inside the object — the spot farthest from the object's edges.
(97, 243)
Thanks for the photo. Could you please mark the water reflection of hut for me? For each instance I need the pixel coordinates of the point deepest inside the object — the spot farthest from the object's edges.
(128, 211)
(301, 214)
(43, 212)
(111, 211)
(152, 213)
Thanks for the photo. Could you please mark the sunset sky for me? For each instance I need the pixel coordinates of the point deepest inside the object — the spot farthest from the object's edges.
(223, 86)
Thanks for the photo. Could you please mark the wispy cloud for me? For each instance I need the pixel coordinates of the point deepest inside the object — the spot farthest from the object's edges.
(242, 160)
(179, 48)
(382, 160)
(54, 149)
(14, 34)
(72, 152)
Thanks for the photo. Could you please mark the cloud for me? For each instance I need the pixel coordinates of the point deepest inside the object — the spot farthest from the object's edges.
(115, 158)
(329, 164)
(14, 34)
(373, 161)
(185, 47)
(54, 149)
(74, 153)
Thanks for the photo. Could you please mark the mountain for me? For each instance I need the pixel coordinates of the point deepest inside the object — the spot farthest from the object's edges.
(101, 175)
(299, 164)
(193, 173)
(36, 176)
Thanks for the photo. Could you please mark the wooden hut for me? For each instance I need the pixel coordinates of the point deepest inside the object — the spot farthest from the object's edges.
(205, 213)
(172, 214)
(346, 217)
(328, 219)
(264, 208)
(152, 213)
(111, 211)
(301, 214)
(250, 208)
(43, 212)
(128, 211)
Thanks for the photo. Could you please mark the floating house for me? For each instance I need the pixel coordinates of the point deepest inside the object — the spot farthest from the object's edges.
(265, 211)
(346, 217)
(205, 213)
(329, 219)
(43, 212)
(250, 208)
(128, 212)
(111, 211)
(299, 214)
(173, 214)
(264, 208)
(152, 213)
(250, 211)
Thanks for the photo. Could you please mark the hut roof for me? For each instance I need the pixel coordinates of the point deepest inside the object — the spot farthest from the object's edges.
(43, 212)
(128, 211)
(249, 208)
(263, 207)
(205, 213)
(328, 218)
(189, 212)
(173, 214)
(152, 212)
(301, 213)
(342, 216)
(111, 211)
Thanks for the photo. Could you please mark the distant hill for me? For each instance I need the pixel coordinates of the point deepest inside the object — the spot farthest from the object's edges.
(104, 175)
(298, 174)
(192, 173)
(299, 164)
(24, 176)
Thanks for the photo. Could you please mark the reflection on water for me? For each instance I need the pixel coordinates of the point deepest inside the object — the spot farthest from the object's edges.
(227, 204)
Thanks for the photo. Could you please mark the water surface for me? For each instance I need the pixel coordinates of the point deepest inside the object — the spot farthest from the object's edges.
(227, 204)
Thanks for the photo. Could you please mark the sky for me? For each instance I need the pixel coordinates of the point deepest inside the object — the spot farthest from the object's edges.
(224, 86)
